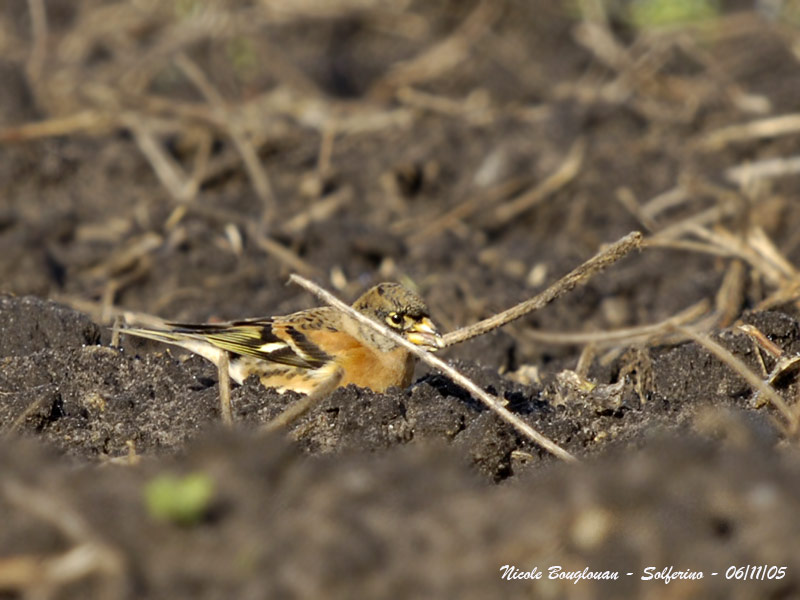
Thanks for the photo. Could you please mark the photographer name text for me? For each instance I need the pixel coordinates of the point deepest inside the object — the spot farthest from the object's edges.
(665, 575)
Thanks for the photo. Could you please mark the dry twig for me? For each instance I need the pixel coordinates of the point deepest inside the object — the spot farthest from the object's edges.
(566, 172)
(444, 55)
(303, 405)
(258, 175)
(38, 14)
(423, 231)
(623, 336)
(727, 357)
(88, 555)
(575, 277)
(761, 128)
(265, 243)
(770, 168)
(29, 410)
(166, 168)
(225, 389)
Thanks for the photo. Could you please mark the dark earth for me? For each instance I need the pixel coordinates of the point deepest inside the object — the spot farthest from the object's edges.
(182, 159)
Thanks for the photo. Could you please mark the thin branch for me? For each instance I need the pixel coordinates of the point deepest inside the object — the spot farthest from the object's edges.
(727, 357)
(566, 172)
(492, 402)
(761, 128)
(279, 251)
(28, 411)
(265, 243)
(626, 335)
(38, 13)
(85, 121)
(627, 199)
(443, 55)
(755, 249)
(304, 404)
(88, 555)
(167, 169)
(422, 229)
(579, 275)
(258, 176)
(769, 168)
(225, 389)
(688, 246)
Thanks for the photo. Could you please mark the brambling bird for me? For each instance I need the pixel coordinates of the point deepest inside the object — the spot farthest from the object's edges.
(303, 350)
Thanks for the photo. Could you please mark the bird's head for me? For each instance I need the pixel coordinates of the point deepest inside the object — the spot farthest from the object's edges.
(403, 311)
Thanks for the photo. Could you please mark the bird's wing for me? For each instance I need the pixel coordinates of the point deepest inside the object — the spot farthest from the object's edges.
(274, 339)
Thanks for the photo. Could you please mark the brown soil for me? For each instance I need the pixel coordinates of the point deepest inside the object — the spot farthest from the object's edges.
(395, 142)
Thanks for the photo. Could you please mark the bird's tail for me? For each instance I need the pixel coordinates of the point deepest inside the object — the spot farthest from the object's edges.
(192, 342)
(169, 337)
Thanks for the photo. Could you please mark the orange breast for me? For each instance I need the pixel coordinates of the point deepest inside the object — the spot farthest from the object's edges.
(363, 365)
(376, 370)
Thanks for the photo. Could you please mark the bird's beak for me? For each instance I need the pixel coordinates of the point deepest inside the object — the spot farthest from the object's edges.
(424, 333)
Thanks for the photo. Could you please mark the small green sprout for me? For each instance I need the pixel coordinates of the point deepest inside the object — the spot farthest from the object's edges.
(182, 500)
(666, 13)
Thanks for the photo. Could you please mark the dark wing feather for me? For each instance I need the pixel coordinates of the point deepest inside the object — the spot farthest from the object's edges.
(257, 337)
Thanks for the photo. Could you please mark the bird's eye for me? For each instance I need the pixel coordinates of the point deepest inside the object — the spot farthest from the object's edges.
(395, 319)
